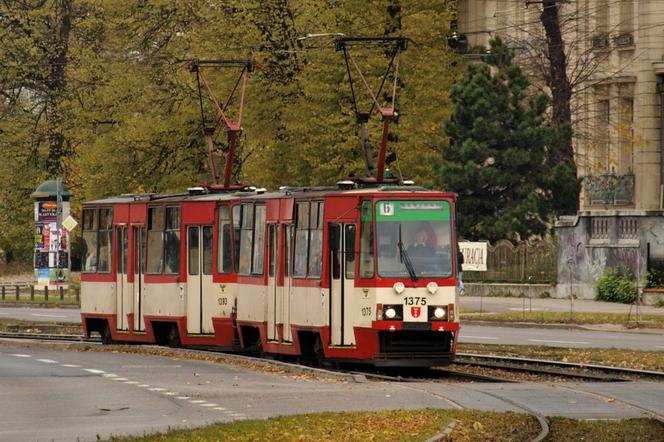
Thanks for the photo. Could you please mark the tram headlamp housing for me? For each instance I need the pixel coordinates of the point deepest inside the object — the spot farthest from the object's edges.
(393, 312)
(437, 313)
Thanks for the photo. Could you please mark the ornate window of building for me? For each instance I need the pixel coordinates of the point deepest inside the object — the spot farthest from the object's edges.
(626, 25)
(602, 142)
(601, 37)
(625, 129)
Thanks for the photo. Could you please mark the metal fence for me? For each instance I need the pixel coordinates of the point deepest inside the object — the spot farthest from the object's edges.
(23, 293)
(526, 262)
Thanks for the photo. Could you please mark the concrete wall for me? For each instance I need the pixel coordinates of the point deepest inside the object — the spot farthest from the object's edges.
(516, 290)
(592, 242)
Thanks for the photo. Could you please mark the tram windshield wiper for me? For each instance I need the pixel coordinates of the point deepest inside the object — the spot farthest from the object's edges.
(406, 259)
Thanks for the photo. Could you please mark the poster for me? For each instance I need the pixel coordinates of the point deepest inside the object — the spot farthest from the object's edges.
(474, 256)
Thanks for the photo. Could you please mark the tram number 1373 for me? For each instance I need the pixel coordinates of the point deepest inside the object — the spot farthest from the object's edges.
(414, 300)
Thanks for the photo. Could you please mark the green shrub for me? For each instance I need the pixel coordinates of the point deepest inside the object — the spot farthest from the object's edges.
(654, 278)
(614, 287)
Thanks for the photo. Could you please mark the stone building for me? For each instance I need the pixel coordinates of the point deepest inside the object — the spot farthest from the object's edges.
(615, 53)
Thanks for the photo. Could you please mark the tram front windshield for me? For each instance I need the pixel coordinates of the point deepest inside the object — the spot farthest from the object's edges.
(413, 239)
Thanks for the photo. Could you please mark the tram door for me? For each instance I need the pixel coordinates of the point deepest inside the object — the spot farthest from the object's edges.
(342, 283)
(200, 289)
(122, 289)
(274, 292)
(139, 254)
(287, 270)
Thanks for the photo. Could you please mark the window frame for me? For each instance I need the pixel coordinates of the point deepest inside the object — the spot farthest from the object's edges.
(304, 224)
(97, 232)
(163, 230)
(372, 241)
(220, 244)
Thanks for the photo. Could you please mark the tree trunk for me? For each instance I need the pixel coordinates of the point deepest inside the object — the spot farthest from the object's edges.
(56, 84)
(561, 90)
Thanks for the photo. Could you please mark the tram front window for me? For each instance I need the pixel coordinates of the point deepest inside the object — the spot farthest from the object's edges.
(414, 234)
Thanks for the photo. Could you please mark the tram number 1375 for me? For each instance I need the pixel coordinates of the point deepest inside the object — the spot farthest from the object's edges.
(414, 300)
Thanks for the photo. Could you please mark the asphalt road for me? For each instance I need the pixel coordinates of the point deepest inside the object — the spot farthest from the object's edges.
(517, 305)
(41, 314)
(469, 333)
(51, 394)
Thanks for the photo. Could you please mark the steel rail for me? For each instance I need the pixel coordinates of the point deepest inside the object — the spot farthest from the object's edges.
(576, 365)
(48, 337)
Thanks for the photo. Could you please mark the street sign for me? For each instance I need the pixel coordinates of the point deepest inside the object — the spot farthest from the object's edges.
(69, 223)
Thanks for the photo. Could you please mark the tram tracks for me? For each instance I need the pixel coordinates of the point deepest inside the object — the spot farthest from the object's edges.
(497, 363)
(49, 337)
(420, 380)
(580, 371)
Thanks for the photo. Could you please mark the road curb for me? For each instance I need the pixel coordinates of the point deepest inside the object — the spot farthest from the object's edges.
(288, 367)
(284, 367)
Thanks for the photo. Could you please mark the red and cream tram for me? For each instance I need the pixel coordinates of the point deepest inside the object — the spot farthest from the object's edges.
(362, 274)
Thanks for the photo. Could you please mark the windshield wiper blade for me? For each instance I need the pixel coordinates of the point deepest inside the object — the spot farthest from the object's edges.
(406, 259)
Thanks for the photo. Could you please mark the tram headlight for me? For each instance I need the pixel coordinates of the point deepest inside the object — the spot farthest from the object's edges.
(438, 313)
(392, 312)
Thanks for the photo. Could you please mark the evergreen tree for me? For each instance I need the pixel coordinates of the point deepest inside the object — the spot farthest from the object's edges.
(496, 155)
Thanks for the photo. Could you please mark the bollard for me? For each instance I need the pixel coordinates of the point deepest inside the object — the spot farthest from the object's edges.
(18, 292)
(3, 292)
(78, 295)
(32, 293)
(45, 293)
(62, 293)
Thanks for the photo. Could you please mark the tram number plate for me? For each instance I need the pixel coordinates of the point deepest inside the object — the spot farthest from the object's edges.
(366, 311)
(415, 300)
(222, 301)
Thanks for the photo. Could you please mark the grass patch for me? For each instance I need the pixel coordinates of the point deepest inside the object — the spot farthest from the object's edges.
(643, 360)
(393, 425)
(645, 430)
(646, 320)
(414, 425)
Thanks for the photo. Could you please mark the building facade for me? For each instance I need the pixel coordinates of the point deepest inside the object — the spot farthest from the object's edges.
(615, 56)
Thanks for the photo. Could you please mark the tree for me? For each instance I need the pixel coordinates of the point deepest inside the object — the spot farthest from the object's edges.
(496, 155)
(126, 117)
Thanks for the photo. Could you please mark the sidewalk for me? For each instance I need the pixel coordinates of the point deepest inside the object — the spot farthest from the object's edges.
(490, 304)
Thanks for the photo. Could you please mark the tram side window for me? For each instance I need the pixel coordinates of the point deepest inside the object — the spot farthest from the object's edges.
(366, 241)
(259, 241)
(172, 241)
(89, 243)
(301, 240)
(246, 239)
(155, 258)
(237, 230)
(316, 242)
(224, 262)
(349, 248)
(105, 235)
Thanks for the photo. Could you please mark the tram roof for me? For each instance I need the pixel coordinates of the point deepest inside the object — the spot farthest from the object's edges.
(284, 192)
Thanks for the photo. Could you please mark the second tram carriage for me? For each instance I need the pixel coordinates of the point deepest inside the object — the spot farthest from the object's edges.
(330, 273)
